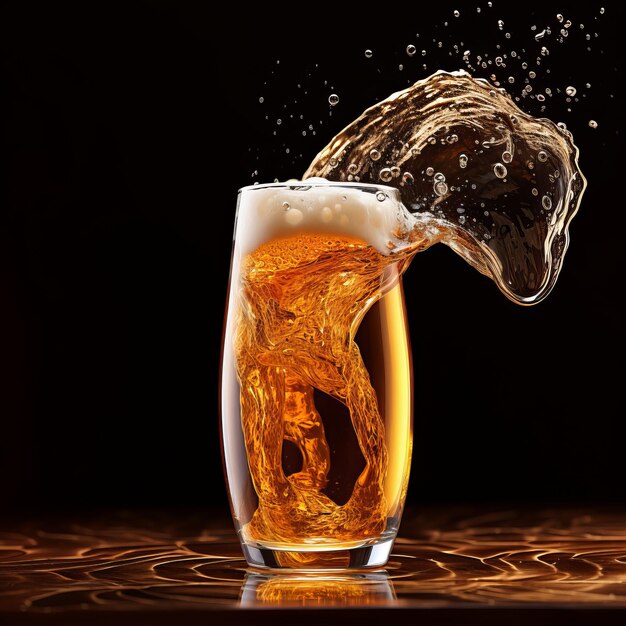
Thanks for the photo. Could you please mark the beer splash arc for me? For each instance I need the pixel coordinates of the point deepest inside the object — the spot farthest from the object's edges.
(500, 185)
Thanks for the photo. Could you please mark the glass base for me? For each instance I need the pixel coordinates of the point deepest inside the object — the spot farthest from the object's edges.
(363, 556)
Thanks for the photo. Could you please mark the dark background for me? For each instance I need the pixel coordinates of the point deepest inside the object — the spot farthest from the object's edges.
(126, 136)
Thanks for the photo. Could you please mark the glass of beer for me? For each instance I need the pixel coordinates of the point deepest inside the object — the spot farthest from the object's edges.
(316, 380)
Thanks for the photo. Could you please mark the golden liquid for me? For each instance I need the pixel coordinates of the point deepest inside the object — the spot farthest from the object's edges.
(300, 303)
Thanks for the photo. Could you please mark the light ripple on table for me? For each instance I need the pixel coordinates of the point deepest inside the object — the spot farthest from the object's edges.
(553, 558)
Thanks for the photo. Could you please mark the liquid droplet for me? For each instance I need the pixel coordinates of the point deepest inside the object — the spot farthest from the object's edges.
(385, 175)
(261, 99)
(499, 170)
(546, 203)
(456, 13)
(463, 161)
(429, 171)
(374, 154)
(333, 99)
(368, 54)
(570, 91)
(440, 188)
(593, 124)
(507, 157)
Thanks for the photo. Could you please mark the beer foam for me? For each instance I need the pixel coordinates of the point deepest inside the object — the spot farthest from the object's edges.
(369, 213)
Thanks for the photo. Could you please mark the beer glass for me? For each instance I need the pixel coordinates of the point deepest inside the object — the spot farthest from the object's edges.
(316, 380)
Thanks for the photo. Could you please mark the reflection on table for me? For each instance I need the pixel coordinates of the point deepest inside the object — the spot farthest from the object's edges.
(444, 558)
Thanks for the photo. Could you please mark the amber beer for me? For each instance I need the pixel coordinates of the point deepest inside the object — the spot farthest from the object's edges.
(316, 375)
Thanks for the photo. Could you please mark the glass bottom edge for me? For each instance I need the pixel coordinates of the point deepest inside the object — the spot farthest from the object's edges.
(364, 556)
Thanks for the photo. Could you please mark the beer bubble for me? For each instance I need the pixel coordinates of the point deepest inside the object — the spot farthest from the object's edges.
(542, 156)
(407, 178)
(593, 124)
(535, 191)
(326, 215)
(368, 54)
(463, 161)
(507, 157)
(353, 168)
(429, 171)
(570, 91)
(395, 171)
(456, 13)
(261, 99)
(380, 196)
(294, 216)
(333, 99)
(411, 50)
(546, 203)
(374, 154)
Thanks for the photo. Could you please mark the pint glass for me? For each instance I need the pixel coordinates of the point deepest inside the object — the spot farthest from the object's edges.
(316, 380)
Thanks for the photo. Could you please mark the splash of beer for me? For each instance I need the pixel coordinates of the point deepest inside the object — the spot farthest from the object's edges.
(496, 185)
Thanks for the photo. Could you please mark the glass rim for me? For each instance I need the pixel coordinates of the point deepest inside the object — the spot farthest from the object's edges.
(319, 182)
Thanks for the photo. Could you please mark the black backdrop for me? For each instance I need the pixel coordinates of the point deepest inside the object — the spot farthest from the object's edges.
(126, 136)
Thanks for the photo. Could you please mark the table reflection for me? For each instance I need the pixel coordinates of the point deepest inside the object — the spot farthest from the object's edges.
(444, 558)
(313, 590)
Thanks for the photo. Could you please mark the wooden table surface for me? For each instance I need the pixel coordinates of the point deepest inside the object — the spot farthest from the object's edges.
(450, 565)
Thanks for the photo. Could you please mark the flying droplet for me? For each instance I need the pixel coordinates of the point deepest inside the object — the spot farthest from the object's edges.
(374, 154)
(456, 14)
(411, 50)
(429, 171)
(440, 188)
(407, 178)
(463, 161)
(261, 99)
(333, 99)
(570, 91)
(499, 170)
(368, 54)
(385, 175)
(593, 124)
(559, 17)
